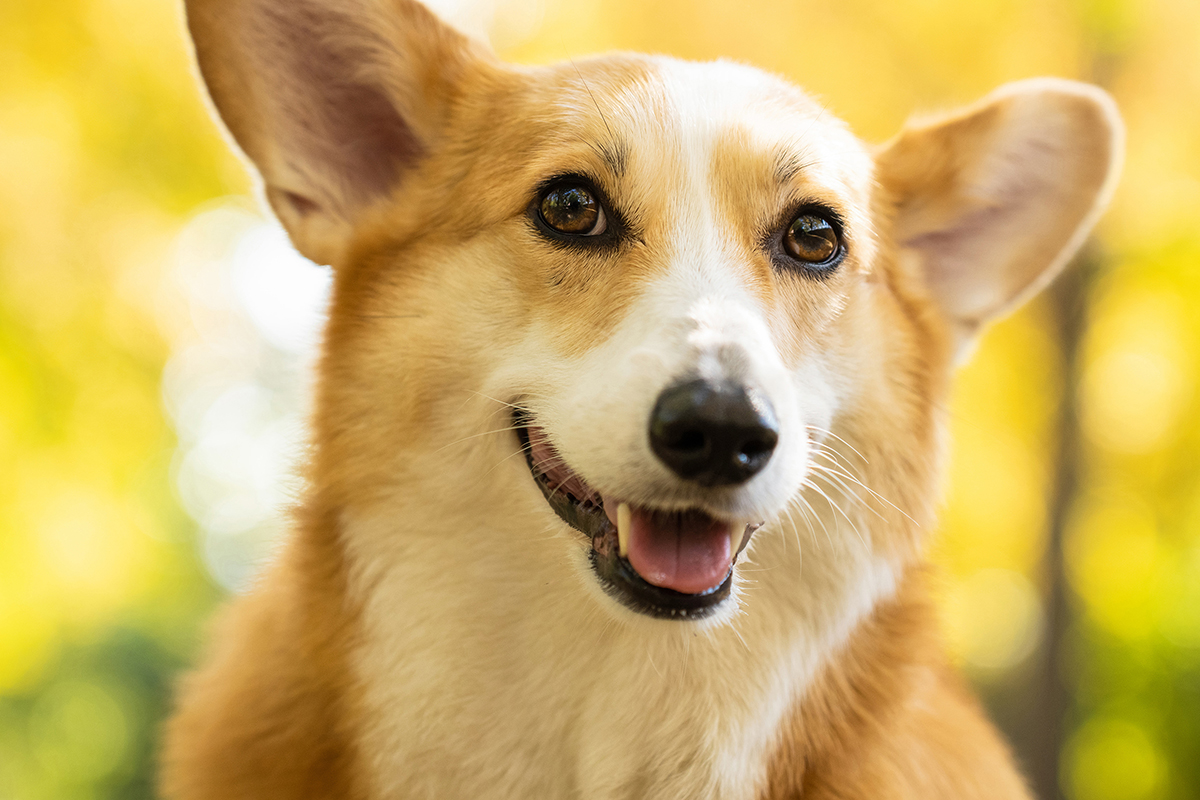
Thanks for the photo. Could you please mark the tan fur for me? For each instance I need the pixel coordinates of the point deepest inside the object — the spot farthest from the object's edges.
(277, 723)
(889, 719)
(431, 628)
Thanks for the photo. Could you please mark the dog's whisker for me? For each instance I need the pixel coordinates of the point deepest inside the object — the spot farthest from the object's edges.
(507, 404)
(812, 532)
(504, 403)
(826, 460)
(738, 634)
(795, 532)
(522, 450)
(833, 458)
(836, 457)
(831, 477)
(746, 570)
(875, 494)
(476, 436)
(839, 509)
(593, 97)
(817, 517)
(650, 658)
(550, 533)
(833, 435)
(841, 475)
(839, 462)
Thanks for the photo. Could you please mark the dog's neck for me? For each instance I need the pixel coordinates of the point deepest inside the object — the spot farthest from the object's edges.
(492, 647)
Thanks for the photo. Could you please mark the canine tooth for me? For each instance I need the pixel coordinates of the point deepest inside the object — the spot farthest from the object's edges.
(624, 521)
(736, 532)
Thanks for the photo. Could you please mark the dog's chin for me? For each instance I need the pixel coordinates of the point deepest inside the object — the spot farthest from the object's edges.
(690, 584)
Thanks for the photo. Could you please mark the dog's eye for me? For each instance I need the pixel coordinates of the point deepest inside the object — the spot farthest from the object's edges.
(572, 209)
(812, 239)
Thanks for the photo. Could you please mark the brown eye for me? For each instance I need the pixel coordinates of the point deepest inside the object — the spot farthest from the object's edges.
(573, 210)
(812, 239)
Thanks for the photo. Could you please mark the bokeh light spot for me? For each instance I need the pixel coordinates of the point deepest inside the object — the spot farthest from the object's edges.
(993, 619)
(78, 732)
(1113, 554)
(236, 383)
(1110, 759)
(1139, 382)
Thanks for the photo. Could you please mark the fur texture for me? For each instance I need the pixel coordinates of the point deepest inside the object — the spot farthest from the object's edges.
(433, 628)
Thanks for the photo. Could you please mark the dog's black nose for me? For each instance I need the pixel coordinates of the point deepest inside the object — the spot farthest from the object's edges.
(714, 434)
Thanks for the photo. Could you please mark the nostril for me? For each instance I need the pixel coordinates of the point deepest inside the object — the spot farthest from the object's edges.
(714, 434)
(692, 441)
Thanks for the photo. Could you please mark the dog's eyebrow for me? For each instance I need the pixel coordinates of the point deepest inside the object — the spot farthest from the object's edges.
(615, 156)
(789, 164)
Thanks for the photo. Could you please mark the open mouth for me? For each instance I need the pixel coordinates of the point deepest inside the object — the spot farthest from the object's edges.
(670, 564)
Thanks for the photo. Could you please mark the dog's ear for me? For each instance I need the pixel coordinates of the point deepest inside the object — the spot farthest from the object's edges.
(992, 200)
(333, 100)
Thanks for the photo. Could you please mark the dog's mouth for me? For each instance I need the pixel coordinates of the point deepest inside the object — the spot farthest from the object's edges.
(671, 564)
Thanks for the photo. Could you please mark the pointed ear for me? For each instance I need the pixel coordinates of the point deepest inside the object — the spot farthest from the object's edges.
(333, 100)
(991, 201)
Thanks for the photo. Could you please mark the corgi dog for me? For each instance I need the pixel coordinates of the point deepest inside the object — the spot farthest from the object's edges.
(628, 423)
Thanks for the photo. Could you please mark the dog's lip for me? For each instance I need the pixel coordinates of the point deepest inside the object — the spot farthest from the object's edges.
(584, 509)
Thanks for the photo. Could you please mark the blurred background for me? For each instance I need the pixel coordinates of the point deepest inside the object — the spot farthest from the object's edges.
(156, 331)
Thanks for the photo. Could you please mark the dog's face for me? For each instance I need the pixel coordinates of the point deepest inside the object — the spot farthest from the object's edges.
(675, 268)
(634, 306)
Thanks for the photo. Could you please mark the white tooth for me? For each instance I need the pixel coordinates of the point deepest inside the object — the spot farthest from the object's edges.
(624, 521)
(736, 532)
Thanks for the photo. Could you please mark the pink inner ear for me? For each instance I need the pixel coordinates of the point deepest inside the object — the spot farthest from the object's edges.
(978, 261)
(340, 131)
(957, 261)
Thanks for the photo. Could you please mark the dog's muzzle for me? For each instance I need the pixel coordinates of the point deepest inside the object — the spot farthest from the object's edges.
(667, 563)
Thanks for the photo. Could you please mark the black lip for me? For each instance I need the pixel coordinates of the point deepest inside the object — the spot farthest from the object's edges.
(617, 576)
(621, 582)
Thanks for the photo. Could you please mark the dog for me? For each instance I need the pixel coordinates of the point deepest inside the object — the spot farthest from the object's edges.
(629, 419)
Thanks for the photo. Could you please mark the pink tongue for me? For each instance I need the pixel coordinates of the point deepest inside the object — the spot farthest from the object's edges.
(688, 552)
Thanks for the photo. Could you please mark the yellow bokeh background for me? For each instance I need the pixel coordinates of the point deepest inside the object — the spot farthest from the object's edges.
(109, 163)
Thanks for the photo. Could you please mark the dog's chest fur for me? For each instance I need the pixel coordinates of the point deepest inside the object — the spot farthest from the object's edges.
(482, 686)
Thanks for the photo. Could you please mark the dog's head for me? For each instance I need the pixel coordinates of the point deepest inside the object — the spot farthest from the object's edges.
(632, 304)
